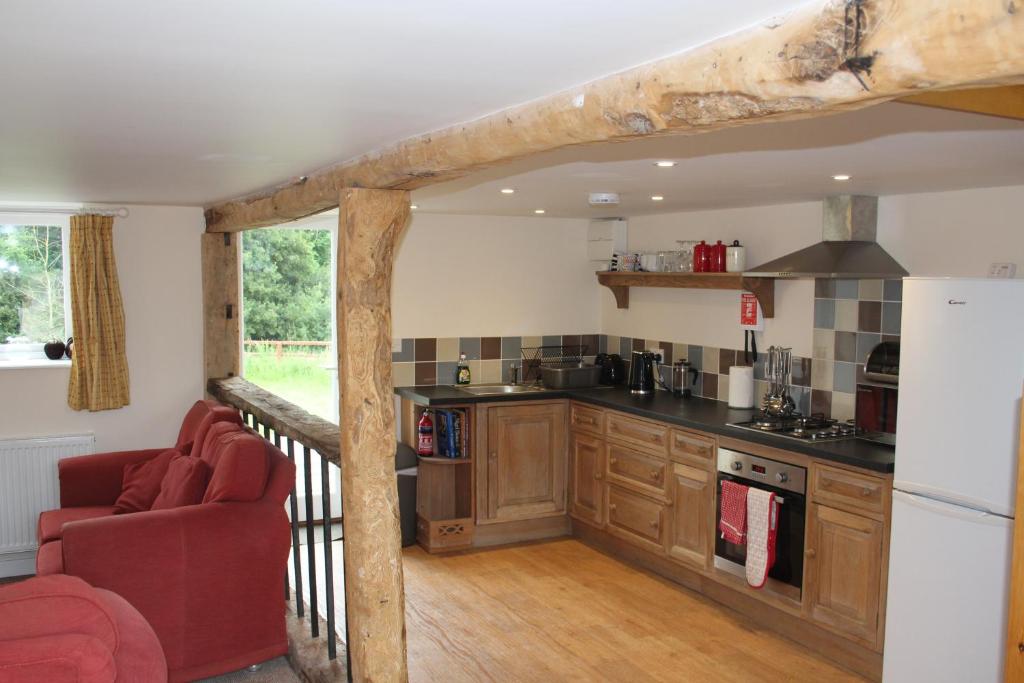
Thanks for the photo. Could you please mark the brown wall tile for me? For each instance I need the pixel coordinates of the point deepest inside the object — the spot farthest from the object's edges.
(709, 385)
(869, 318)
(726, 359)
(666, 352)
(821, 402)
(592, 342)
(426, 374)
(639, 344)
(490, 348)
(426, 349)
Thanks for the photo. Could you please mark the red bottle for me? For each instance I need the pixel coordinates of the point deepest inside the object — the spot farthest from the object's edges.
(425, 428)
(701, 257)
(717, 257)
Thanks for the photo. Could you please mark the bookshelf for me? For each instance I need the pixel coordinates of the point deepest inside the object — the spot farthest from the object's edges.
(444, 486)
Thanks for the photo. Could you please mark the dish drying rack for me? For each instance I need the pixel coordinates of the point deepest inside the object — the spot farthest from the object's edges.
(551, 356)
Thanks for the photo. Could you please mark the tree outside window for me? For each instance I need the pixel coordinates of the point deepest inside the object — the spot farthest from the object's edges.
(31, 284)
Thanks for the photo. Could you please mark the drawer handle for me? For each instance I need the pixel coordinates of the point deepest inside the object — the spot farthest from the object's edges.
(655, 474)
(613, 461)
(866, 491)
(810, 552)
(598, 475)
(654, 525)
(494, 455)
(655, 437)
(585, 420)
(826, 483)
(611, 507)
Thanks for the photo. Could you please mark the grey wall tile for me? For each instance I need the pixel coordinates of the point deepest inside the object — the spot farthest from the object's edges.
(625, 347)
(602, 343)
(510, 347)
(825, 314)
(847, 289)
(470, 346)
(552, 340)
(865, 342)
(845, 377)
(446, 373)
(824, 288)
(695, 354)
(891, 315)
(893, 290)
(846, 346)
(406, 355)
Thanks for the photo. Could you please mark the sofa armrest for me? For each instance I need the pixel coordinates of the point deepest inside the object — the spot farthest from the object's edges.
(96, 479)
(62, 658)
(203, 576)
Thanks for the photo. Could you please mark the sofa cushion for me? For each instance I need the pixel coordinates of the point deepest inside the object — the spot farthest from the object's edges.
(241, 470)
(140, 483)
(50, 559)
(216, 437)
(183, 484)
(216, 415)
(51, 522)
(193, 418)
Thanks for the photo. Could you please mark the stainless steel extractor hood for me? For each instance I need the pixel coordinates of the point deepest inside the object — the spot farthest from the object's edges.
(848, 248)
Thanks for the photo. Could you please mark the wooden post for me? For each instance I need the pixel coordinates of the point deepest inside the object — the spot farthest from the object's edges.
(1015, 631)
(369, 224)
(222, 305)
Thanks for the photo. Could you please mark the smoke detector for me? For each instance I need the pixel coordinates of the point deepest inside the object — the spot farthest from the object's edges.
(604, 198)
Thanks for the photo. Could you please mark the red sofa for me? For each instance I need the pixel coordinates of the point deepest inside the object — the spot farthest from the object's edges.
(209, 577)
(59, 629)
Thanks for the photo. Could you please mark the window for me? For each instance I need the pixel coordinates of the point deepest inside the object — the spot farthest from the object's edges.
(34, 308)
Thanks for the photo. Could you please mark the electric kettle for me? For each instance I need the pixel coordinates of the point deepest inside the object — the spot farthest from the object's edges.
(642, 370)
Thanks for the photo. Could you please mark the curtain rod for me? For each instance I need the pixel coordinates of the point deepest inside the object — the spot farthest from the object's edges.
(119, 212)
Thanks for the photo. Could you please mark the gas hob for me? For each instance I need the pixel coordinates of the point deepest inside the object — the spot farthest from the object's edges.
(800, 427)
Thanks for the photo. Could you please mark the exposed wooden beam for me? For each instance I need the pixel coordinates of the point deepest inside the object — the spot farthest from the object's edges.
(222, 304)
(828, 57)
(1005, 102)
(369, 224)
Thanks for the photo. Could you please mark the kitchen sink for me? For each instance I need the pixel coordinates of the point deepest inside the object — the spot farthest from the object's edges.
(499, 389)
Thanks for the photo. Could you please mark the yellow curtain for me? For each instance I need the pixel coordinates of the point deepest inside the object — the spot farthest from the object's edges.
(99, 367)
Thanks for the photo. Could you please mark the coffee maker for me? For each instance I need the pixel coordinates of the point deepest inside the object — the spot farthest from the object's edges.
(680, 379)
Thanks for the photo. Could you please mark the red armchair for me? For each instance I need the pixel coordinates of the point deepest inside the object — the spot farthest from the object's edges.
(58, 628)
(209, 578)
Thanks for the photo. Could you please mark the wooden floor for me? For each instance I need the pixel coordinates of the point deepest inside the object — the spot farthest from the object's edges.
(561, 611)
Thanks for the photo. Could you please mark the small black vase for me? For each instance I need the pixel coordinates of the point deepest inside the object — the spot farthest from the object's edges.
(54, 350)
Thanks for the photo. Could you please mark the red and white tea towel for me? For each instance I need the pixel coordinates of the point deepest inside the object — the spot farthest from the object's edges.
(733, 524)
(762, 527)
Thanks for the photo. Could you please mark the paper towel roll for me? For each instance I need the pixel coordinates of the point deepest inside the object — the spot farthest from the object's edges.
(741, 387)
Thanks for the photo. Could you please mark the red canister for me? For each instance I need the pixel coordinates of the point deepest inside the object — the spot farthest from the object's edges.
(717, 257)
(701, 257)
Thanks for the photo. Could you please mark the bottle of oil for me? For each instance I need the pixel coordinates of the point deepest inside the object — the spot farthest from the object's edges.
(462, 372)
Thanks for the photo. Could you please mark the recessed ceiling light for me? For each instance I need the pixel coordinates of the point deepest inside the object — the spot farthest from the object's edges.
(508, 190)
(413, 207)
(656, 197)
(841, 176)
(664, 164)
(538, 211)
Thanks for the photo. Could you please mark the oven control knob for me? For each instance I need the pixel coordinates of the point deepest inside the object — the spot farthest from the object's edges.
(782, 477)
(737, 465)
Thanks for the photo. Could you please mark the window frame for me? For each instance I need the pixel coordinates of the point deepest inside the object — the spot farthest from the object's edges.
(27, 355)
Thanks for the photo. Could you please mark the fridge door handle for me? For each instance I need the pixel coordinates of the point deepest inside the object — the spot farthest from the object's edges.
(951, 510)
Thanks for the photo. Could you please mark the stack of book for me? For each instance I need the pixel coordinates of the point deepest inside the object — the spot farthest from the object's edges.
(452, 433)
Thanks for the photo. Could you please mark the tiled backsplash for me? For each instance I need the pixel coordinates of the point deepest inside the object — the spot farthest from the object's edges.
(850, 317)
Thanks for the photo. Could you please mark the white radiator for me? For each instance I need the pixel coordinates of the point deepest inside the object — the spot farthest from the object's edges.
(28, 484)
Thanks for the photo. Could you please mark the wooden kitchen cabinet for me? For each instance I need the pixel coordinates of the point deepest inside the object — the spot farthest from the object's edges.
(691, 495)
(586, 493)
(843, 571)
(523, 469)
(636, 518)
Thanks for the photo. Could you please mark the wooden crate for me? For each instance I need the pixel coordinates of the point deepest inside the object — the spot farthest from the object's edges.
(446, 534)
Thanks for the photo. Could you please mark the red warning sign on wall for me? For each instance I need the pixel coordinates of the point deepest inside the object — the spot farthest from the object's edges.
(750, 312)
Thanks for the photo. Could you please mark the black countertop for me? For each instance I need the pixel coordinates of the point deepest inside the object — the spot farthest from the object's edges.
(696, 413)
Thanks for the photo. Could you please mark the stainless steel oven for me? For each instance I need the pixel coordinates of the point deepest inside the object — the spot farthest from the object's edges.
(788, 483)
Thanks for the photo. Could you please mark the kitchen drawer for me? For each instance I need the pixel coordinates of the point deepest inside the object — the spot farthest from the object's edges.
(636, 518)
(648, 435)
(687, 447)
(633, 468)
(585, 419)
(845, 488)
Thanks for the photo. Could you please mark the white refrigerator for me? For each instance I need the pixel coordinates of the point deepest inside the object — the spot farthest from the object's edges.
(957, 431)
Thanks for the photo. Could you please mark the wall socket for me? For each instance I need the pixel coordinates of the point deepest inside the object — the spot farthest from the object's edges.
(1002, 270)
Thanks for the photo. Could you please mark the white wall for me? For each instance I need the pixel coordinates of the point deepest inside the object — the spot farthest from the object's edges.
(949, 233)
(157, 251)
(473, 276)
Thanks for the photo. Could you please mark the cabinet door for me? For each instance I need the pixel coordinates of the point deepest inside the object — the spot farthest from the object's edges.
(526, 461)
(843, 571)
(690, 493)
(586, 496)
(636, 518)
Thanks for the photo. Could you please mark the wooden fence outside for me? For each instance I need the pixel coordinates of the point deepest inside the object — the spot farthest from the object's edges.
(307, 349)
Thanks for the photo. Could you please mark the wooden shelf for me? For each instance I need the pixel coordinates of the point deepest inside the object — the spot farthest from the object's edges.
(761, 287)
(444, 461)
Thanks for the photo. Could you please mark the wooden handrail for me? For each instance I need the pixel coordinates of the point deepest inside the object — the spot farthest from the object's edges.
(285, 418)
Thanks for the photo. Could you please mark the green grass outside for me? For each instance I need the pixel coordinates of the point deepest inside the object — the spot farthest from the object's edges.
(302, 381)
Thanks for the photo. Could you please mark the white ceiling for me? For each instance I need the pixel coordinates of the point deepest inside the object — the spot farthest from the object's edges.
(194, 101)
(888, 149)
